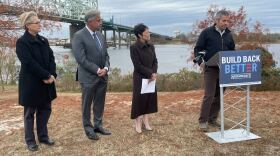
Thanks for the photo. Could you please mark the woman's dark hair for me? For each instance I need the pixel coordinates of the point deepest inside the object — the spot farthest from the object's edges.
(139, 29)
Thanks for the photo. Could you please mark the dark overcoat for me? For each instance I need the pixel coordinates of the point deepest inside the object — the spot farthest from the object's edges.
(37, 64)
(145, 63)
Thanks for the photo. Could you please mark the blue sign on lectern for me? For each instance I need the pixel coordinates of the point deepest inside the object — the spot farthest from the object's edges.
(242, 67)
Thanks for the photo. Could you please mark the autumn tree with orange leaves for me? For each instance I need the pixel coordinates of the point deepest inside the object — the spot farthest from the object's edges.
(10, 32)
(245, 39)
(8, 37)
(238, 26)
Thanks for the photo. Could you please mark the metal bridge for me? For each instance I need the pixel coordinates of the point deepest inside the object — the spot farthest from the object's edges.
(69, 11)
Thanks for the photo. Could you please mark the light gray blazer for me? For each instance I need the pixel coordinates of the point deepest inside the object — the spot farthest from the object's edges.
(88, 56)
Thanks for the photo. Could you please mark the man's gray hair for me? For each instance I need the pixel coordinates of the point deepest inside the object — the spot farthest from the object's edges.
(221, 13)
(91, 15)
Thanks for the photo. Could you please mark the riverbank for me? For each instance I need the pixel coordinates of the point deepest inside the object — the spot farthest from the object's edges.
(171, 57)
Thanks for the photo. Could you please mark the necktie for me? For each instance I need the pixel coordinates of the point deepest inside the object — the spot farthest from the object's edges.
(97, 42)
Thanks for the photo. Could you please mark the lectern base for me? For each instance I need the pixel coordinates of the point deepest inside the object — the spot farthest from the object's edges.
(232, 136)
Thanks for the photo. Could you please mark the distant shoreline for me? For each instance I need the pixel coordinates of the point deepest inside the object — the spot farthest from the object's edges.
(183, 43)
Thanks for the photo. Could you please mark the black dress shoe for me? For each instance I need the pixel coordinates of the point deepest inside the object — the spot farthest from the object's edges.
(203, 126)
(47, 142)
(93, 136)
(32, 147)
(102, 131)
(214, 123)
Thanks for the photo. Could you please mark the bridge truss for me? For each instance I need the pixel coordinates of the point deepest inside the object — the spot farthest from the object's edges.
(73, 9)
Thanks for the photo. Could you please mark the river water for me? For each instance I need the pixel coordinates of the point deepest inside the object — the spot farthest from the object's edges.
(171, 58)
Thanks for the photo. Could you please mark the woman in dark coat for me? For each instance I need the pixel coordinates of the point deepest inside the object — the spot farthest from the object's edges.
(145, 65)
(36, 80)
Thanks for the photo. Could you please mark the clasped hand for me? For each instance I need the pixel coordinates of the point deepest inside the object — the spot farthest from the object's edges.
(50, 80)
(102, 72)
(153, 77)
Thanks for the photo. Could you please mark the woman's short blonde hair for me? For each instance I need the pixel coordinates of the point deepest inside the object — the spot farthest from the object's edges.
(25, 18)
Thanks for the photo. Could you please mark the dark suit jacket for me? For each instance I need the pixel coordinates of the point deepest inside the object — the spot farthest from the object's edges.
(88, 56)
(212, 42)
(37, 64)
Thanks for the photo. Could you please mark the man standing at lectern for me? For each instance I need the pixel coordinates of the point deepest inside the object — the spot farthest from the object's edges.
(212, 40)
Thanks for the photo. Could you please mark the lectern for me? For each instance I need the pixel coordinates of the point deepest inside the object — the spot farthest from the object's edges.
(237, 68)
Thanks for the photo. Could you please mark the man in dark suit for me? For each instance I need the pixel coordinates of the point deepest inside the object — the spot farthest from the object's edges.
(90, 50)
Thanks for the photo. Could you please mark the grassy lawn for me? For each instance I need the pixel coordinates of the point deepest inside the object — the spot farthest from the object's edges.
(175, 127)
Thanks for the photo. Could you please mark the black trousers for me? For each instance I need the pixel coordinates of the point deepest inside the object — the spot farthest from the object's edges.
(42, 117)
(211, 101)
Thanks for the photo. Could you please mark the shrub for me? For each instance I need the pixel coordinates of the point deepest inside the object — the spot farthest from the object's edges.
(118, 82)
(66, 79)
(182, 81)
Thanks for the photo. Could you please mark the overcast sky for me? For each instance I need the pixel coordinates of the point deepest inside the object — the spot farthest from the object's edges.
(166, 16)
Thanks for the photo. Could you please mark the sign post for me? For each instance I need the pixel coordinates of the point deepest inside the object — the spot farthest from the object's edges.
(237, 68)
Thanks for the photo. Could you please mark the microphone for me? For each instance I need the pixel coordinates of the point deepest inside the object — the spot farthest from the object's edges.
(199, 57)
